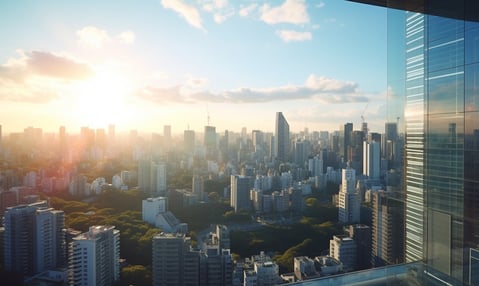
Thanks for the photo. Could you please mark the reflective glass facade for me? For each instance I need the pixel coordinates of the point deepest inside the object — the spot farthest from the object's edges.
(433, 92)
(441, 126)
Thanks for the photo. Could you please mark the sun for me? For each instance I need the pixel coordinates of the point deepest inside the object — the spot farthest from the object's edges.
(102, 99)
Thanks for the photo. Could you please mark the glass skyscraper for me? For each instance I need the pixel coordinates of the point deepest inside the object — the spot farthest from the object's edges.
(433, 95)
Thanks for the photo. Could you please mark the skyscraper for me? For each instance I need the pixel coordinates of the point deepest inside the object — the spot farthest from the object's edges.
(174, 262)
(387, 229)
(240, 188)
(433, 70)
(349, 198)
(34, 238)
(189, 141)
(281, 138)
(95, 257)
(345, 139)
(371, 160)
(210, 141)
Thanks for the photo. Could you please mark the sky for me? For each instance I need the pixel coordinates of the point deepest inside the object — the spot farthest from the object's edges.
(230, 64)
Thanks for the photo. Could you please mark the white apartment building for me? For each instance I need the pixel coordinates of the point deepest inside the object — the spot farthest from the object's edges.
(95, 257)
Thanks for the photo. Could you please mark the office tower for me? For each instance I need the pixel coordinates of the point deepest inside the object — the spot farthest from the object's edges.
(258, 139)
(189, 141)
(144, 175)
(301, 152)
(349, 198)
(167, 132)
(34, 238)
(371, 160)
(174, 261)
(391, 143)
(361, 234)
(343, 248)
(152, 177)
(387, 229)
(158, 179)
(315, 166)
(281, 138)
(240, 189)
(345, 139)
(198, 187)
(210, 142)
(95, 257)
(433, 90)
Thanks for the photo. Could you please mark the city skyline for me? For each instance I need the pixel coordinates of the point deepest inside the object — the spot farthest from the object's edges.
(231, 65)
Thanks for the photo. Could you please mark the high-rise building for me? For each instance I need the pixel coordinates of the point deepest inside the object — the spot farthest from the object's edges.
(34, 238)
(95, 257)
(433, 67)
(240, 192)
(343, 248)
(349, 198)
(210, 142)
(152, 177)
(371, 160)
(345, 139)
(281, 138)
(174, 261)
(189, 141)
(301, 152)
(387, 229)
(198, 187)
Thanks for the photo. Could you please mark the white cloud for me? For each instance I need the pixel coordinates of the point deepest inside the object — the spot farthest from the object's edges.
(188, 12)
(246, 10)
(322, 89)
(211, 6)
(294, 36)
(291, 11)
(38, 77)
(93, 37)
(220, 18)
(320, 5)
(127, 37)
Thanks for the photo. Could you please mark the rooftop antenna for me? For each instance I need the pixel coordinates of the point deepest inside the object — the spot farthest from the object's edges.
(207, 116)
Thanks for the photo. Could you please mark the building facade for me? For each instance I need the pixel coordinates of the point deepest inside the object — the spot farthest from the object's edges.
(349, 198)
(281, 138)
(34, 238)
(95, 257)
(433, 71)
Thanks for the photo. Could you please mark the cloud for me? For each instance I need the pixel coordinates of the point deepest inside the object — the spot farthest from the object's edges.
(127, 37)
(291, 11)
(37, 77)
(188, 12)
(322, 89)
(96, 38)
(246, 10)
(220, 9)
(26, 95)
(47, 64)
(294, 36)
(162, 95)
(220, 18)
(93, 37)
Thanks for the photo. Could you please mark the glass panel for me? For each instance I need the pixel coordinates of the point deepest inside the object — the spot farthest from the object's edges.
(446, 91)
(472, 87)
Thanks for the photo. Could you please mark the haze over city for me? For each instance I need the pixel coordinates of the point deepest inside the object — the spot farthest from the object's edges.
(142, 66)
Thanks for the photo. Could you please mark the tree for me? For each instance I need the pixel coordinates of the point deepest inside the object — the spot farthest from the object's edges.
(135, 275)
